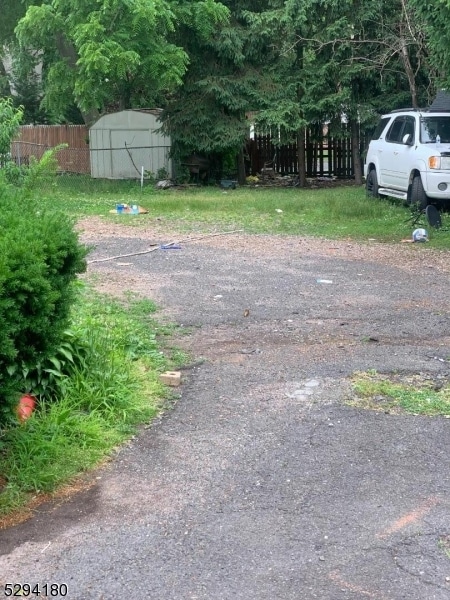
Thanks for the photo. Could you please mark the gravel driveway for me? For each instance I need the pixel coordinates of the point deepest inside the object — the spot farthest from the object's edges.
(262, 483)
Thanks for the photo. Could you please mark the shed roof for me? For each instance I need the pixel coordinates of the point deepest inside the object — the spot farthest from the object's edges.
(115, 115)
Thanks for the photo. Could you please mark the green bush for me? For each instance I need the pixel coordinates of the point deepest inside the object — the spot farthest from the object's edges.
(40, 257)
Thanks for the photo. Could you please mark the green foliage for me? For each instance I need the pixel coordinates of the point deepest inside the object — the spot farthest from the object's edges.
(12, 11)
(341, 211)
(48, 379)
(25, 79)
(435, 17)
(112, 54)
(207, 114)
(162, 173)
(294, 64)
(13, 174)
(40, 258)
(391, 393)
(43, 170)
(110, 367)
(10, 119)
(49, 449)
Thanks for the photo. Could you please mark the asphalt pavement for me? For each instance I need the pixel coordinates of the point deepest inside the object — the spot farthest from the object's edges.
(262, 482)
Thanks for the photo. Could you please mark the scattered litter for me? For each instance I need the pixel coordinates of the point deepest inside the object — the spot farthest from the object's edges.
(228, 184)
(312, 383)
(278, 210)
(171, 246)
(420, 235)
(126, 209)
(164, 184)
(122, 264)
(172, 378)
(246, 312)
(44, 549)
(217, 296)
(324, 281)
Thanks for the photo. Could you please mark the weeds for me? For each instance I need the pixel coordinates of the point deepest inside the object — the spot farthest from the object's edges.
(444, 544)
(395, 394)
(108, 390)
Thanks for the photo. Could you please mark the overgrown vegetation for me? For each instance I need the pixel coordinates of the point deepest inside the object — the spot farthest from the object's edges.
(109, 387)
(40, 258)
(89, 363)
(395, 394)
(10, 119)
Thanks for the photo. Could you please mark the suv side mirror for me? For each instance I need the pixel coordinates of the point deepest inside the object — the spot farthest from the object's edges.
(408, 140)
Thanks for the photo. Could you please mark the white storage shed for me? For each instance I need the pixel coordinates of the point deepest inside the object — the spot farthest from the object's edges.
(122, 143)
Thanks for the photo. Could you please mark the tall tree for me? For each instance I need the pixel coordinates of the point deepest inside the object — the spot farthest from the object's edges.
(342, 60)
(225, 81)
(112, 54)
(435, 17)
(12, 12)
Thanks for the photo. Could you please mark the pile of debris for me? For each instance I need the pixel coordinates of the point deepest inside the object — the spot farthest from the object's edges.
(269, 178)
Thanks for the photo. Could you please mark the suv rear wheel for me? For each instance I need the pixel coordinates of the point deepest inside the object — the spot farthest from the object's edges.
(372, 184)
(418, 197)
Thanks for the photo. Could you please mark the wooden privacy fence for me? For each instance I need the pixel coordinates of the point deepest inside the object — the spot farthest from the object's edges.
(34, 140)
(325, 155)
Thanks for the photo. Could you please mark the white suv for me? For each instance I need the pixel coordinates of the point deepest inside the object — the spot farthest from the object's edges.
(409, 157)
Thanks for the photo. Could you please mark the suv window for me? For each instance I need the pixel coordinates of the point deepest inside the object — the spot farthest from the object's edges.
(430, 127)
(395, 130)
(380, 128)
(409, 128)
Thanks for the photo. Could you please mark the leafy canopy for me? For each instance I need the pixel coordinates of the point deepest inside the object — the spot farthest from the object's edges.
(113, 54)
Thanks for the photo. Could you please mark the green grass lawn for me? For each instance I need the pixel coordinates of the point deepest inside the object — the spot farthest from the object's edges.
(336, 212)
(111, 390)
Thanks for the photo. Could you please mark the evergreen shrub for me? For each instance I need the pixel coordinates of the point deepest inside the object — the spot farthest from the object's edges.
(40, 258)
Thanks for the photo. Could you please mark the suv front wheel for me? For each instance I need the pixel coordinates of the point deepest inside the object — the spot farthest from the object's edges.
(372, 184)
(418, 197)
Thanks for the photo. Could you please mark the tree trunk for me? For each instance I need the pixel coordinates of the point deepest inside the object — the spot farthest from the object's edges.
(68, 51)
(241, 167)
(356, 157)
(301, 157)
(5, 70)
(409, 72)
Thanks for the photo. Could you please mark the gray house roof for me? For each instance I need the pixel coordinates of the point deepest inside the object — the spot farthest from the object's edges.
(441, 103)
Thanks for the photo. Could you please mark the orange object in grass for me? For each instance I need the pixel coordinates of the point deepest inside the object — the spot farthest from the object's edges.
(26, 406)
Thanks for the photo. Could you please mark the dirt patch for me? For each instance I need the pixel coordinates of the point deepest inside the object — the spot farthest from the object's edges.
(410, 257)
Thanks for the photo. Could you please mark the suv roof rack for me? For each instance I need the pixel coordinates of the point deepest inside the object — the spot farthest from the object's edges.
(398, 110)
(421, 110)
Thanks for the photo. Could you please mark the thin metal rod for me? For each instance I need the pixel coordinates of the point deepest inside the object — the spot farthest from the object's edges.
(201, 237)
